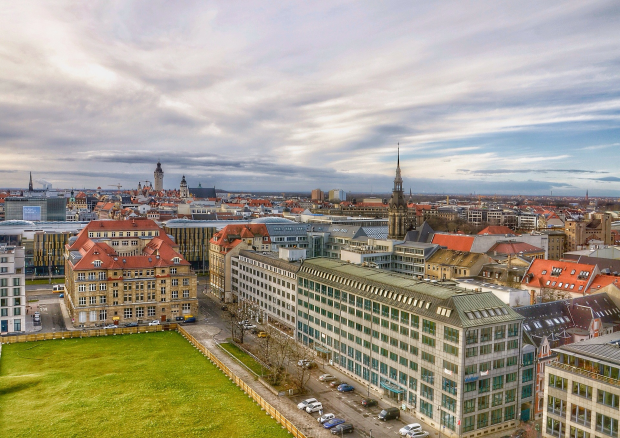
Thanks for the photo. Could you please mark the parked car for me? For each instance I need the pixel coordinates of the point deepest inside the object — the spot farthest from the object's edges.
(305, 403)
(345, 387)
(325, 417)
(333, 423)
(336, 383)
(368, 402)
(58, 288)
(413, 427)
(342, 428)
(61, 295)
(249, 326)
(154, 322)
(189, 320)
(389, 414)
(263, 335)
(179, 319)
(417, 434)
(314, 407)
(326, 378)
(110, 326)
(131, 324)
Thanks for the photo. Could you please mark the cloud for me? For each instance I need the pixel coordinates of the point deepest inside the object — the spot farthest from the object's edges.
(274, 97)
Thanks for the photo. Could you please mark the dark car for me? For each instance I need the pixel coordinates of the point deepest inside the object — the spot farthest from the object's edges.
(179, 319)
(389, 414)
(190, 320)
(368, 402)
(345, 387)
(336, 383)
(333, 423)
(131, 324)
(342, 428)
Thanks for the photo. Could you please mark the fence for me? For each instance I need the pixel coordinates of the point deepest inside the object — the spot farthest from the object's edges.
(71, 334)
(275, 414)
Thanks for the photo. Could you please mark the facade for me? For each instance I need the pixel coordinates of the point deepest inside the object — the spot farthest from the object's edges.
(158, 176)
(446, 264)
(192, 238)
(270, 283)
(12, 290)
(451, 355)
(36, 208)
(126, 271)
(557, 244)
(397, 208)
(318, 195)
(582, 390)
(579, 233)
(336, 195)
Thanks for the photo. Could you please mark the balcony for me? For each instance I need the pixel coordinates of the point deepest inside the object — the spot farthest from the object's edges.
(580, 419)
(582, 372)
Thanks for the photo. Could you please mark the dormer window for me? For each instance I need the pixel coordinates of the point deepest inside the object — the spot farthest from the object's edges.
(97, 263)
(176, 260)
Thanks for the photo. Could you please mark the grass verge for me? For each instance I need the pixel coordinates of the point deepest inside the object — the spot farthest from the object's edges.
(152, 385)
(244, 357)
(44, 281)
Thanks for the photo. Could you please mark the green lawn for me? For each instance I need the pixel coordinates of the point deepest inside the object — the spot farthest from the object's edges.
(245, 358)
(146, 385)
(44, 281)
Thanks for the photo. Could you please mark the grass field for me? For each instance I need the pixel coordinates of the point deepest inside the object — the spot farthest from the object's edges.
(44, 281)
(245, 358)
(147, 385)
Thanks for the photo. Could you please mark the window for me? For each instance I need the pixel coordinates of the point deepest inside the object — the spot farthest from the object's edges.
(426, 392)
(526, 391)
(558, 382)
(82, 301)
(606, 425)
(556, 406)
(450, 349)
(428, 341)
(496, 416)
(469, 406)
(513, 344)
(485, 334)
(581, 415)
(426, 409)
(448, 420)
(448, 386)
(468, 423)
(498, 399)
(150, 311)
(428, 357)
(578, 433)
(139, 312)
(500, 332)
(498, 364)
(451, 334)
(528, 375)
(471, 352)
(452, 367)
(127, 313)
(510, 395)
(484, 386)
(448, 403)
(582, 390)
(511, 377)
(555, 427)
(499, 347)
(608, 399)
(509, 413)
(427, 376)
(471, 337)
(498, 382)
(470, 386)
(485, 349)
(428, 327)
(483, 420)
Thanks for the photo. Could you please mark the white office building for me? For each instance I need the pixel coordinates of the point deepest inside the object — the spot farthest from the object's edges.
(12, 290)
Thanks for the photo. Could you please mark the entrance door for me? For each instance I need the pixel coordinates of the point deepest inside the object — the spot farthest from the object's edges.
(525, 415)
(4, 326)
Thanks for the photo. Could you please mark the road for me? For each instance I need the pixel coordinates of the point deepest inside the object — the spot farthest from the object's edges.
(40, 298)
(343, 405)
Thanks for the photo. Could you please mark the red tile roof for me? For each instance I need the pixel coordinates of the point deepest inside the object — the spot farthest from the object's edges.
(496, 229)
(561, 275)
(454, 242)
(514, 248)
(234, 232)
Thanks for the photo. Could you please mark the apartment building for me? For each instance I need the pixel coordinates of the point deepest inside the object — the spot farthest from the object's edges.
(12, 290)
(269, 281)
(449, 354)
(126, 271)
(446, 264)
(582, 390)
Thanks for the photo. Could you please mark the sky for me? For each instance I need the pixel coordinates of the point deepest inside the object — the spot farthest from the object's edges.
(506, 97)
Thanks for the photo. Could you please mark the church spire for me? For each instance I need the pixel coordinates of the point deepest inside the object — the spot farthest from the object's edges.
(30, 187)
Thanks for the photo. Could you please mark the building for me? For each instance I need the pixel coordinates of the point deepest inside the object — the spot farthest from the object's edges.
(269, 281)
(450, 354)
(397, 208)
(126, 271)
(579, 233)
(183, 190)
(201, 192)
(557, 244)
(317, 195)
(552, 279)
(158, 176)
(582, 390)
(192, 238)
(36, 208)
(445, 264)
(12, 290)
(336, 195)
(224, 246)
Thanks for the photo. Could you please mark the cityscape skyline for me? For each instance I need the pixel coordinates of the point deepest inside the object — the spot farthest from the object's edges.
(485, 98)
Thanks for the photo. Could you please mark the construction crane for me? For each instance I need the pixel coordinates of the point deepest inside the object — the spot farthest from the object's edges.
(118, 186)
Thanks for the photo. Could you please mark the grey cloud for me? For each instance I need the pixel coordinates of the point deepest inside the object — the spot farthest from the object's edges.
(505, 171)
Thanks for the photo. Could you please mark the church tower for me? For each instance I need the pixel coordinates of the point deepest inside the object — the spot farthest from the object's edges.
(397, 208)
(183, 190)
(159, 178)
(30, 187)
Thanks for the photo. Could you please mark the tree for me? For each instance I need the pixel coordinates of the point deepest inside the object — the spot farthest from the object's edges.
(275, 350)
(301, 375)
(238, 313)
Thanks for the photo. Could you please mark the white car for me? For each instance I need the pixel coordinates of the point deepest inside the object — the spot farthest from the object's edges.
(326, 378)
(249, 326)
(314, 407)
(417, 434)
(304, 404)
(325, 417)
(413, 427)
(154, 322)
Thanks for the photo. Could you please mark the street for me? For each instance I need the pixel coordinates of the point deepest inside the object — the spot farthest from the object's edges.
(40, 298)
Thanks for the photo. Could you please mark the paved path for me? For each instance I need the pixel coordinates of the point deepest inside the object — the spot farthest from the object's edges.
(208, 335)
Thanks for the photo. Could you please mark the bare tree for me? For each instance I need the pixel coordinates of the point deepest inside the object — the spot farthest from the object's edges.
(240, 314)
(303, 358)
(275, 350)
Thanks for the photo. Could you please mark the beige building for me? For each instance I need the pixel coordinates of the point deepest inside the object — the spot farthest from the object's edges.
(446, 264)
(579, 233)
(582, 390)
(126, 271)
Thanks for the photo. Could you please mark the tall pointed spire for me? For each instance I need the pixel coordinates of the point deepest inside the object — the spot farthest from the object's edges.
(398, 160)
(30, 187)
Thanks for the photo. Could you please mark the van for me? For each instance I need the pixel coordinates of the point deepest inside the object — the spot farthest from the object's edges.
(389, 414)
(58, 288)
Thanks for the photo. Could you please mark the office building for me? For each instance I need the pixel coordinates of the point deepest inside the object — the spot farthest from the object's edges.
(36, 208)
(449, 354)
(12, 290)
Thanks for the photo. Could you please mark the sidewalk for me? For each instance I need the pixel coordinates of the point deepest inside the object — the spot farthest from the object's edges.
(206, 335)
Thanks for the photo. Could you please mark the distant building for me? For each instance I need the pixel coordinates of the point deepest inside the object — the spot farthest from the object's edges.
(203, 192)
(318, 195)
(183, 190)
(12, 290)
(159, 178)
(397, 209)
(336, 195)
(36, 208)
